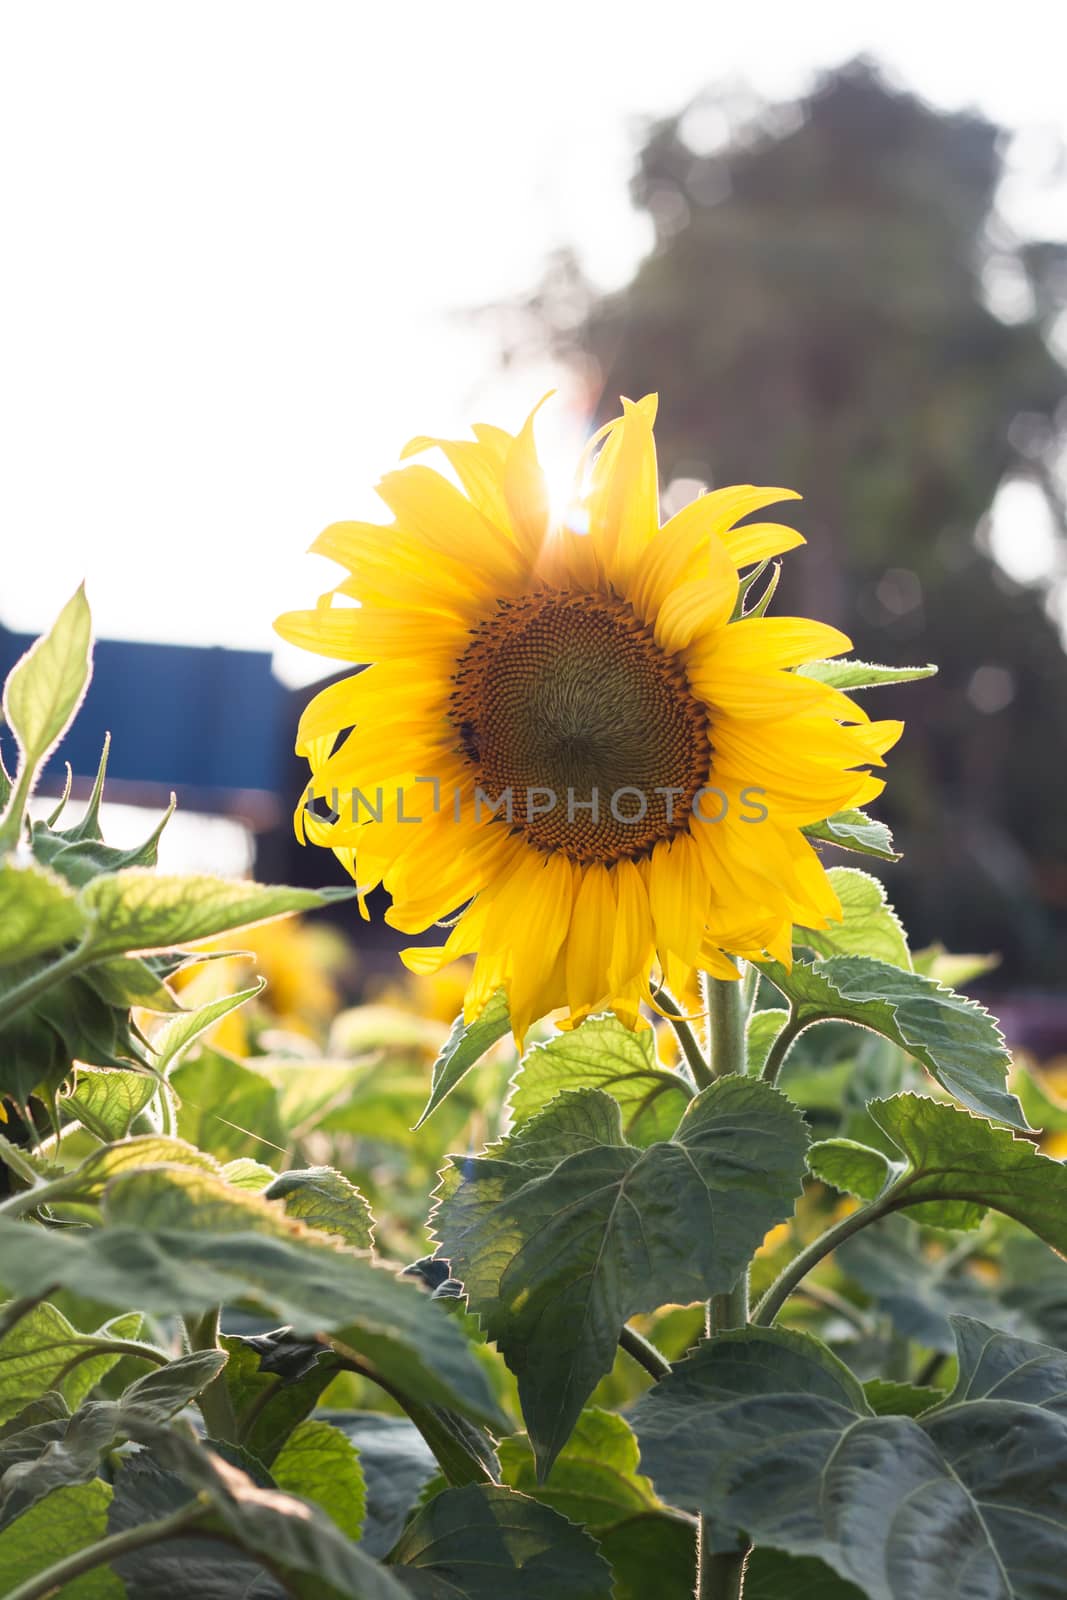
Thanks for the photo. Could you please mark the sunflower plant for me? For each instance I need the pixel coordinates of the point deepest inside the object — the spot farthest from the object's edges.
(756, 1287)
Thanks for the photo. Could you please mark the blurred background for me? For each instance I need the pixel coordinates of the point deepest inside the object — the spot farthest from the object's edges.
(250, 250)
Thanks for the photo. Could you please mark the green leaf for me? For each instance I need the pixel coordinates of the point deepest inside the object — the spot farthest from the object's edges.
(870, 926)
(563, 1232)
(772, 1575)
(855, 830)
(44, 1351)
(298, 1541)
(65, 1521)
(464, 1048)
(998, 1365)
(130, 981)
(949, 1155)
(45, 688)
(888, 1399)
(38, 912)
(138, 909)
(594, 1480)
(247, 1174)
(688, 1424)
(228, 1107)
(968, 1498)
(604, 1054)
(175, 1038)
(325, 1199)
(107, 1101)
(318, 1462)
(485, 1542)
(178, 1240)
(274, 1381)
(397, 1464)
(956, 1040)
(852, 675)
(88, 1181)
(652, 1553)
(69, 1451)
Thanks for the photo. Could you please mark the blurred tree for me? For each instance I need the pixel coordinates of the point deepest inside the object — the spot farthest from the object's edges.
(817, 311)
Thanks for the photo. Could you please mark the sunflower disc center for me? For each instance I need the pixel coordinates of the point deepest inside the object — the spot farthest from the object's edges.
(567, 703)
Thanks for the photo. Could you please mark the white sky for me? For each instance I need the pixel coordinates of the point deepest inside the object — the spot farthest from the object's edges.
(234, 233)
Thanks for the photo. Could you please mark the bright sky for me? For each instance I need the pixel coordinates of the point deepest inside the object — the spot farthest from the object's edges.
(236, 234)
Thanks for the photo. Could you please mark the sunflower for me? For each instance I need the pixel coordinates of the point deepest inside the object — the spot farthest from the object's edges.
(567, 738)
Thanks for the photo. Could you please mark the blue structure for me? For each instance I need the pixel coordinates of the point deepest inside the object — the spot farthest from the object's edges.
(214, 725)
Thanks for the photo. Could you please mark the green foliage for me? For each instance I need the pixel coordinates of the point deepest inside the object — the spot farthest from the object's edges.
(196, 1231)
(482, 1543)
(565, 1231)
(954, 1039)
(954, 1166)
(465, 1046)
(762, 1432)
(66, 1521)
(870, 926)
(604, 1054)
(855, 830)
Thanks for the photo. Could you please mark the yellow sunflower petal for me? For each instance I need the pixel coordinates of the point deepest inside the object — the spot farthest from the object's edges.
(623, 498)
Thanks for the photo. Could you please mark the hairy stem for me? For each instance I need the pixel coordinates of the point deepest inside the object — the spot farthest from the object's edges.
(801, 1265)
(721, 1574)
(215, 1404)
(791, 1028)
(64, 1571)
(38, 983)
(644, 1352)
(459, 1463)
(726, 1025)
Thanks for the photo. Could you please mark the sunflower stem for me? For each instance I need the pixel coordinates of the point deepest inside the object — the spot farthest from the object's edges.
(721, 1574)
(644, 1352)
(790, 1031)
(726, 1025)
(216, 1407)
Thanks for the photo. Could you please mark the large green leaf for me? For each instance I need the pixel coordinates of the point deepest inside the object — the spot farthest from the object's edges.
(44, 1351)
(65, 1522)
(465, 1046)
(852, 675)
(138, 909)
(45, 688)
(59, 1453)
(293, 1537)
(855, 830)
(761, 1434)
(954, 1038)
(564, 1231)
(38, 911)
(319, 1462)
(486, 1542)
(953, 1166)
(594, 1479)
(604, 1054)
(870, 926)
(181, 1240)
(397, 1464)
